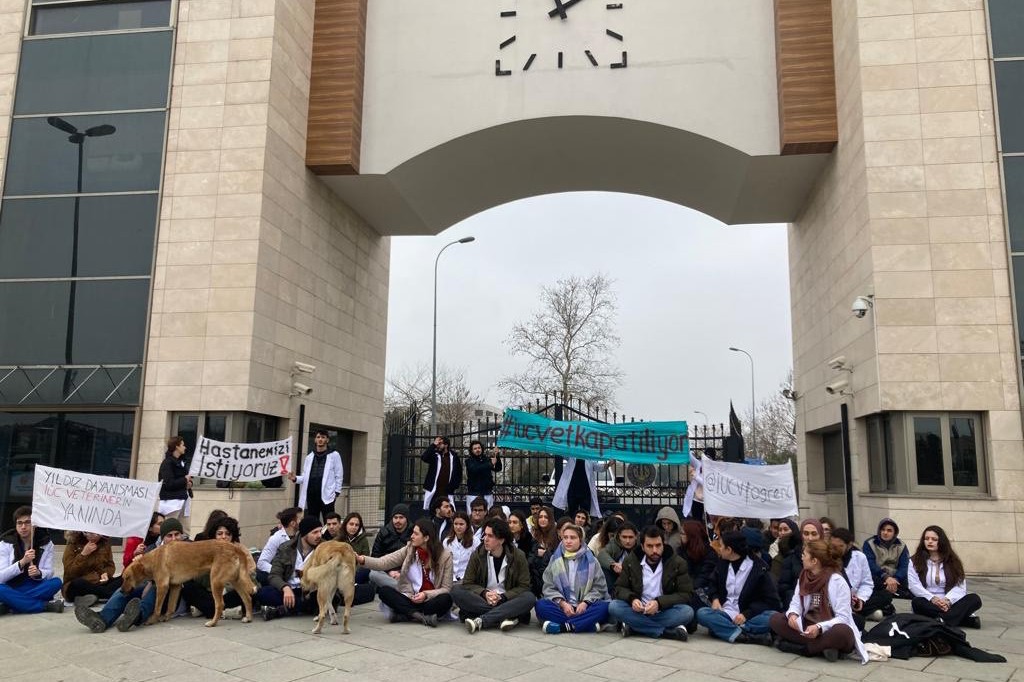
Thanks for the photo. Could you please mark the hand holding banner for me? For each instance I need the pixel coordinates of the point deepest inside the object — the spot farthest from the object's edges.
(241, 461)
(71, 500)
(747, 491)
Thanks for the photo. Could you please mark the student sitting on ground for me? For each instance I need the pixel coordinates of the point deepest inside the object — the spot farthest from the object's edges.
(289, 525)
(743, 595)
(136, 546)
(460, 543)
(495, 592)
(282, 595)
(615, 552)
(575, 597)
(88, 568)
(391, 538)
(196, 592)
(27, 584)
(939, 584)
(889, 560)
(866, 597)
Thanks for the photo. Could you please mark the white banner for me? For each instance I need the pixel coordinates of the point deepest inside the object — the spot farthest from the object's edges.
(71, 500)
(241, 461)
(748, 490)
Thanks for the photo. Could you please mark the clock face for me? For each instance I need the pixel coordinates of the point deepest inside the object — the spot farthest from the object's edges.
(594, 48)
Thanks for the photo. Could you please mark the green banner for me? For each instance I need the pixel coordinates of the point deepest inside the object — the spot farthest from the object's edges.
(638, 443)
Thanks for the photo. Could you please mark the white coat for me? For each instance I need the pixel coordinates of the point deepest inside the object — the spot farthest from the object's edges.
(842, 611)
(334, 473)
(561, 498)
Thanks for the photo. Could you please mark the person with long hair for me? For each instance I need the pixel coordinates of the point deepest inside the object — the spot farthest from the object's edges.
(606, 532)
(197, 592)
(425, 577)
(742, 594)
(354, 534)
(695, 549)
(175, 483)
(575, 596)
(939, 584)
(819, 621)
(136, 546)
(460, 543)
(210, 527)
(88, 568)
(544, 534)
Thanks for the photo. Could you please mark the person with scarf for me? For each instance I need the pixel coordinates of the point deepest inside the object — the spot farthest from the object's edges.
(866, 597)
(888, 558)
(939, 584)
(819, 621)
(575, 595)
(425, 577)
(743, 594)
(810, 529)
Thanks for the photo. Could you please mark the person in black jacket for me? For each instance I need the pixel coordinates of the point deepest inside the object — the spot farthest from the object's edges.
(391, 538)
(176, 486)
(480, 472)
(743, 595)
(444, 472)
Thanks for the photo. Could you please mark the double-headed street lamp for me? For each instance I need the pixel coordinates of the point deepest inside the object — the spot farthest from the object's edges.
(433, 378)
(753, 399)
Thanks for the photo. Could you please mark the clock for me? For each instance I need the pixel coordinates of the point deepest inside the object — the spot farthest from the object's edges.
(600, 50)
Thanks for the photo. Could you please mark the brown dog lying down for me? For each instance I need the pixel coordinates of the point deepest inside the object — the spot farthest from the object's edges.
(170, 566)
(331, 568)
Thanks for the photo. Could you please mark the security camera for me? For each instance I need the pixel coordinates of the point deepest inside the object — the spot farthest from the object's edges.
(790, 394)
(861, 306)
(302, 368)
(838, 362)
(837, 386)
(300, 389)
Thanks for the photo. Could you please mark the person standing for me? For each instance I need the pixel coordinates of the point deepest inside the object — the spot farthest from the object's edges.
(576, 488)
(176, 484)
(444, 471)
(480, 472)
(322, 471)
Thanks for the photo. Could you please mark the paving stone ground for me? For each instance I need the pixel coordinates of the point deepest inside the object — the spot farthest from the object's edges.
(54, 647)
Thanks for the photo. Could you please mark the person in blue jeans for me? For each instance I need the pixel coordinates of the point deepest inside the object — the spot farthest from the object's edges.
(133, 608)
(575, 596)
(27, 584)
(653, 591)
(743, 594)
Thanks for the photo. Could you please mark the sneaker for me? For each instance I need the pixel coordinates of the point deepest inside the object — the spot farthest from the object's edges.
(973, 622)
(398, 618)
(764, 640)
(888, 610)
(86, 600)
(508, 624)
(625, 630)
(430, 620)
(875, 615)
(787, 647)
(551, 628)
(90, 619)
(677, 633)
(831, 655)
(608, 627)
(196, 613)
(130, 615)
(474, 625)
(55, 606)
(234, 613)
(272, 612)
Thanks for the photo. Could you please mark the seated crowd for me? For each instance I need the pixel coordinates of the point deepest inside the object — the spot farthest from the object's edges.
(805, 588)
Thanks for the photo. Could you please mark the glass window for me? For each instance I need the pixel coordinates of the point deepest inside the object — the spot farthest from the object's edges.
(216, 427)
(832, 447)
(94, 73)
(1007, 19)
(928, 451)
(881, 454)
(1018, 286)
(1013, 175)
(99, 16)
(108, 323)
(119, 153)
(1010, 91)
(115, 236)
(963, 448)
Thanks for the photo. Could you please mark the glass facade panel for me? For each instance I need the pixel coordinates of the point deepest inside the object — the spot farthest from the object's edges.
(44, 159)
(963, 448)
(928, 451)
(1010, 87)
(1013, 171)
(1007, 18)
(115, 236)
(94, 73)
(99, 16)
(108, 324)
(95, 442)
(832, 449)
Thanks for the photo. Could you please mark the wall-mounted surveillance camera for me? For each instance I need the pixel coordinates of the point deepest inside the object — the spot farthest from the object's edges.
(861, 305)
(302, 368)
(838, 362)
(790, 394)
(300, 389)
(837, 386)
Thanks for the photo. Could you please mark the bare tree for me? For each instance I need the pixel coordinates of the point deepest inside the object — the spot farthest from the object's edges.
(408, 391)
(776, 426)
(570, 344)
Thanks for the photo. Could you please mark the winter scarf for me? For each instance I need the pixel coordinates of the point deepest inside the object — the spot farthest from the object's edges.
(573, 588)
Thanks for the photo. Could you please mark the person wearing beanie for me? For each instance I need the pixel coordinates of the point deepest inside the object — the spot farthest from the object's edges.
(282, 595)
(888, 558)
(742, 592)
(391, 538)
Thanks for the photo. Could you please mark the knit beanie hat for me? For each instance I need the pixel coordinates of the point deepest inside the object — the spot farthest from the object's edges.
(754, 538)
(307, 525)
(401, 508)
(170, 525)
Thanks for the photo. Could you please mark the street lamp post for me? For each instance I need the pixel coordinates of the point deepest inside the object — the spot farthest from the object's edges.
(75, 137)
(753, 397)
(433, 376)
(703, 414)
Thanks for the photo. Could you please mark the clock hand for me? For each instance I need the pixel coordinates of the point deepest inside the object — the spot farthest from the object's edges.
(561, 6)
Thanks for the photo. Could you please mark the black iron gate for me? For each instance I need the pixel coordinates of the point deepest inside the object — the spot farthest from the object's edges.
(637, 489)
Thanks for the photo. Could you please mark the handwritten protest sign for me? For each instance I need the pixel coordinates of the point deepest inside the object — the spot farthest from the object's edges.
(71, 500)
(745, 490)
(241, 461)
(637, 443)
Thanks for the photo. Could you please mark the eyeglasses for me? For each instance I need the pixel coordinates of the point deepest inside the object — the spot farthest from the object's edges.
(24, 522)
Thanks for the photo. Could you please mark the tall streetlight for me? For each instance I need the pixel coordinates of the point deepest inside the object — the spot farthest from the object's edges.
(433, 378)
(753, 397)
(703, 414)
(76, 137)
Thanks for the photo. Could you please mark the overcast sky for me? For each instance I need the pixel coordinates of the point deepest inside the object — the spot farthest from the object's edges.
(688, 287)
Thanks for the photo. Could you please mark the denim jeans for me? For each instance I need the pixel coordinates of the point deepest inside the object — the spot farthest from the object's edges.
(114, 607)
(651, 626)
(29, 596)
(721, 626)
(596, 613)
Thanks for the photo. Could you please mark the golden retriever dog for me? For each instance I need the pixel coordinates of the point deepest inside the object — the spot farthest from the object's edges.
(170, 566)
(331, 568)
